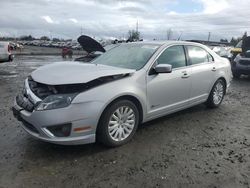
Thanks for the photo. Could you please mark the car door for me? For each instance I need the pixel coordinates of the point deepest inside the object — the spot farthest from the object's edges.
(203, 73)
(168, 92)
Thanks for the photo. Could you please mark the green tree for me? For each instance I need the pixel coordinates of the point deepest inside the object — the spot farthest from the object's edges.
(44, 38)
(235, 41)
(27, 37)
(244, 36)
(56, 40)
(223, 40)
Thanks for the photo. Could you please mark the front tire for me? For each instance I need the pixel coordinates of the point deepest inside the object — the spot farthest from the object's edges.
(217, 94)
(118, 123)
(10, 59)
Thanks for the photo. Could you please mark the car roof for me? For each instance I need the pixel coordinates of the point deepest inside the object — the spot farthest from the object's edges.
(167, 42)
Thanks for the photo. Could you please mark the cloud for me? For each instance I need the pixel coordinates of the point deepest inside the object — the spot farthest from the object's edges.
(132, 9)
(215, 6)
(113, 18)
(173, 13)
(73, 20)
(47, 19)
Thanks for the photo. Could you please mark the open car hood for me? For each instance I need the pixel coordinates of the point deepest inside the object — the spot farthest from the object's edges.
(90, 45)
(62, 73)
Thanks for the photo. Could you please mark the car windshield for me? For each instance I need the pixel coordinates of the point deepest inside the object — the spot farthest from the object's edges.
(239, 45)
(130, 56)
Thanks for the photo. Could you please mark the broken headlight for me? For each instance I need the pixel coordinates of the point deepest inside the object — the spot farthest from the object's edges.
(56, 101)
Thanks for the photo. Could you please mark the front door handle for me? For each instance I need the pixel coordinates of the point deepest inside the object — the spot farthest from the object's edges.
(213, 69)
(185, 74)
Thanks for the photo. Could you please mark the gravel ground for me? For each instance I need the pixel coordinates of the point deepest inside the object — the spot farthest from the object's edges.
(197, 147)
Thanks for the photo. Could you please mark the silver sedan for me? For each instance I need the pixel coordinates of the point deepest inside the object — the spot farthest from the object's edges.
(106, 99)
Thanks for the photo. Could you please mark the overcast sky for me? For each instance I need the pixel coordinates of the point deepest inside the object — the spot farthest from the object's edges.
(113, 18)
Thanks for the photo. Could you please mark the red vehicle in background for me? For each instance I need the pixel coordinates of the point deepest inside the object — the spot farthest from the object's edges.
(67, 52)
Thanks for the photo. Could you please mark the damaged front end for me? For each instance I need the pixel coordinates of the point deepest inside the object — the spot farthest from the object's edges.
(39, 96)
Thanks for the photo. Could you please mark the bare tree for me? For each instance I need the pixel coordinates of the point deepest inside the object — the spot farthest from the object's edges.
(169, 34)
(133, 35)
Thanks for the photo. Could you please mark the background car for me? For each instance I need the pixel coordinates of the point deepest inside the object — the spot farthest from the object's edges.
(236, 50)
(5, 52)
(241, 63)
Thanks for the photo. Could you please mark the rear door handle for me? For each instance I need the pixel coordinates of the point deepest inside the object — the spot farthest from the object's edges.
(185, 74)
(213, 69)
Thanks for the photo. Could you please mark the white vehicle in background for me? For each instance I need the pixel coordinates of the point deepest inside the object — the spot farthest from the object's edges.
(222, 51)
(5, 52)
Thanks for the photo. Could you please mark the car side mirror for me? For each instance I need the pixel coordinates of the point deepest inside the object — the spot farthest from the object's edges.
(247, 53)
(163, 68)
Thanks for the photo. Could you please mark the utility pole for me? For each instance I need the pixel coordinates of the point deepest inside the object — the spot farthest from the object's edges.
(137, 26)
(169, 33)
(50, 34)
(81, 30)
(209, 35)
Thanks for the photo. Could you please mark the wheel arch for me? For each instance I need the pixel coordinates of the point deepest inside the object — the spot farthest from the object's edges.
(225, 82)
(131, 98)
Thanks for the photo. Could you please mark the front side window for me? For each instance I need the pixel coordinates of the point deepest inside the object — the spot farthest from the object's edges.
(174, 56)
(198, 55)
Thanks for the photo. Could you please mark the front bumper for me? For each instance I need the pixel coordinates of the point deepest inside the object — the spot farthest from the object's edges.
(31, 130)
(241, 69)
(36, 123)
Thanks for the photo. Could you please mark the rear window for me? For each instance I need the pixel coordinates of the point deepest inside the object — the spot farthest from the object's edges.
(198, 55)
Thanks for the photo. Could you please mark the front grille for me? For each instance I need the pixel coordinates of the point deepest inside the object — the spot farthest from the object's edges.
(245, 62)
(30, 127)
(24, 102)
(40, 90)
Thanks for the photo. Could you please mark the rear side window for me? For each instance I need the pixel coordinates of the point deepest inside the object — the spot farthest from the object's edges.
(198, 55)
(174, 56)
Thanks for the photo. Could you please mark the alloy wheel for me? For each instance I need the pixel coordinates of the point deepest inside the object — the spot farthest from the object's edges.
(121, 123)
(218, 93)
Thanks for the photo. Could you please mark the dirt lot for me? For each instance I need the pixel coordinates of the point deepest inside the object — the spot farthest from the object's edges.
(197, 147)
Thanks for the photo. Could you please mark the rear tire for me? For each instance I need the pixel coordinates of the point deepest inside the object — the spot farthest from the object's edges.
(217, 94)
(118, 123)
